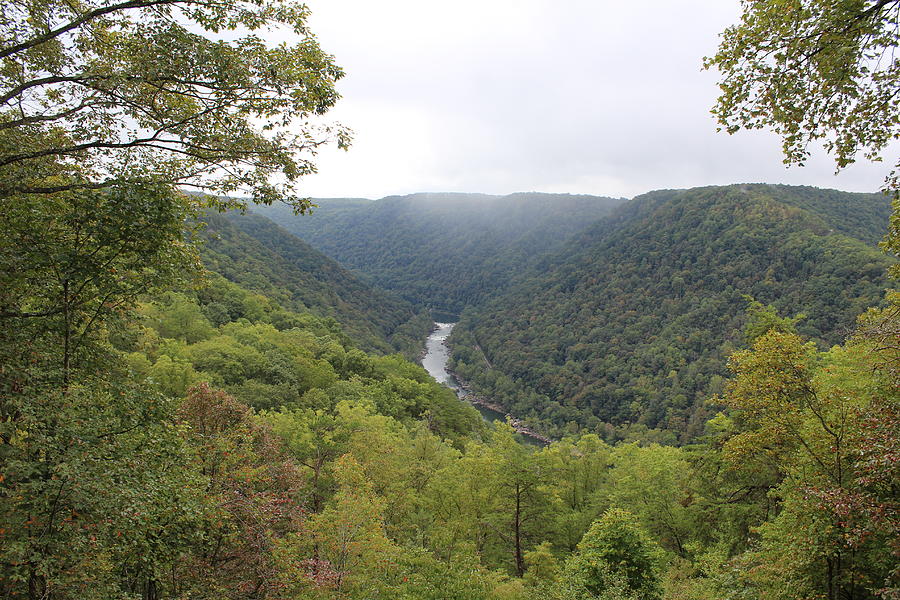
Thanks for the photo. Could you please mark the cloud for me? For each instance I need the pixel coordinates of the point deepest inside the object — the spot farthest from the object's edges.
(568, 96)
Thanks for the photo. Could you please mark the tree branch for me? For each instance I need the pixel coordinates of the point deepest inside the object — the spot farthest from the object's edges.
(88, 16)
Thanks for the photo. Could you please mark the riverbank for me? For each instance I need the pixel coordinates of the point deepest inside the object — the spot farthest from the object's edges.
(517, 424)
(435, 359)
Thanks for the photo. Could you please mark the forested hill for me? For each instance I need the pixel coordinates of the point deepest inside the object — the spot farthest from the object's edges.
(634, 319)
(254, 252)
(444, 250)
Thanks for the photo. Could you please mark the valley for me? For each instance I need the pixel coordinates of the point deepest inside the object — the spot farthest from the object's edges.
(443, 251)
(627, 373)
(611, 316)
(215, 386)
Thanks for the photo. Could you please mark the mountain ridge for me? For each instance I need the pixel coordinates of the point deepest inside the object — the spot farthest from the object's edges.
(443, 250)
(592, 334)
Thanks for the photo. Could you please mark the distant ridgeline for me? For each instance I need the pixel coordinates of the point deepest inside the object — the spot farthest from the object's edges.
(584, 312)
(254, 252)
(632, 322)
(443, 251)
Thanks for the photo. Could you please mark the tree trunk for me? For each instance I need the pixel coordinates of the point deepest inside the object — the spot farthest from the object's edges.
(520, 562)
(67, 334)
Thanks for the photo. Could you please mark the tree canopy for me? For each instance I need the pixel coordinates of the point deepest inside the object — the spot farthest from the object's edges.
(814, 71)
(103, 93)
(631, 324)
(161, 440)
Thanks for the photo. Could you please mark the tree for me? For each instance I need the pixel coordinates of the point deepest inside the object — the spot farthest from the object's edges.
(253, 493)
(652, 483)
(542, 565)
(106, 93)
(822, 70)
(762, 319)
(71, 261)
(105, 107)
(579, 469)
(98, 494)
(523, 499)
(615, 554)
(817, 420)
(461, 497)
(350, 531)
(814, 70)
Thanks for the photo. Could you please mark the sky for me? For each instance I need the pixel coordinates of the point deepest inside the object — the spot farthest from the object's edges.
(564, 96)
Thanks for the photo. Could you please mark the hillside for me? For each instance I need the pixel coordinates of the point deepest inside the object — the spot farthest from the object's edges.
(254, 252)
(243, 446)
(633, 321)
(444, 251)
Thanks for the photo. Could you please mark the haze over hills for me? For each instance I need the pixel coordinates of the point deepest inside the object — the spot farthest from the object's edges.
(630, 320)
(634, 319)
(583, 311)
(254, 252)
(445, 251)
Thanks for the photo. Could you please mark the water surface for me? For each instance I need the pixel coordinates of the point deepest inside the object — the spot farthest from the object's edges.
(435, 362)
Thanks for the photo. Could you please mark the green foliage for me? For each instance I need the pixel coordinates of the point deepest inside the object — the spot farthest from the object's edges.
(581, 472)
(522, 500)
(813, 70)
(349, 533)
(253, 498)
(360, 477)
(154, 94)
(176, 316)
(94, 495)
(308, 366)
(172, 377)
(542, 565)
(322, 471)
(73, 262)
(444, 251)
(816, 71)
(810, 416)
(653, 484)
(632, 323)
(614, 552)
(257, 254)
(763, 319)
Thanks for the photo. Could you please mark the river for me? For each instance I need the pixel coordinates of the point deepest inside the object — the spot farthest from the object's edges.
(435, 362)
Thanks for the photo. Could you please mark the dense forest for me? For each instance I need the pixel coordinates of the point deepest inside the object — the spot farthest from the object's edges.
(633, 321)
(443, 251)
(260, 455)
(256, 253)
(623, 323)
(194, 404)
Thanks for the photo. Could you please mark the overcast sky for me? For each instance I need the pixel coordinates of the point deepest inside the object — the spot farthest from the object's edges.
(500, 96)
